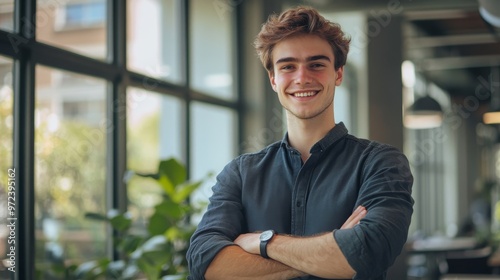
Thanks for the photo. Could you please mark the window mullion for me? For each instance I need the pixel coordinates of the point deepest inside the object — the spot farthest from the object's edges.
(24, 147)
(116, 110)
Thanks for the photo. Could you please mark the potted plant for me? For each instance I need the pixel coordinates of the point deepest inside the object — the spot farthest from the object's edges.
(159, 253)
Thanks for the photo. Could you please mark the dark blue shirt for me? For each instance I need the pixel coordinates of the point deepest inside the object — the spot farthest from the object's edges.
(273, 189)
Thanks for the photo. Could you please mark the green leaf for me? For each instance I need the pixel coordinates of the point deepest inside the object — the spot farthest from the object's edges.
(148, 269)
(166, 185)
(154, 254)
(173, 233)
(130, 272)
(174, 170)
(157, 258)
(157, 250)
(155, 243)
(184, 190)
(158, 224)
(130, 243)
(119, 222)
(170, 209)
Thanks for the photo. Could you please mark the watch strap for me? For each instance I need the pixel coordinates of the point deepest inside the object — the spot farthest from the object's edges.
(263, 249)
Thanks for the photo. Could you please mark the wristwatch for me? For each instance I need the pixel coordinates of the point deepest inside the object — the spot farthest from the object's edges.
(265, 237)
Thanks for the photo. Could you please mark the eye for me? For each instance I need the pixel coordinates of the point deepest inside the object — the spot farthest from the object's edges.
(317, 65)
(287, 67)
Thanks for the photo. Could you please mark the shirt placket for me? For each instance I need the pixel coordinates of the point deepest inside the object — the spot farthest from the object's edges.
(300, 193)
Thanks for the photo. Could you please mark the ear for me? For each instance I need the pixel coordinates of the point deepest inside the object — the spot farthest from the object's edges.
(340, 75)
(271, 79)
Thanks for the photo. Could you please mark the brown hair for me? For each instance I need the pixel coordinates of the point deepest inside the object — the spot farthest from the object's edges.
(296, 21)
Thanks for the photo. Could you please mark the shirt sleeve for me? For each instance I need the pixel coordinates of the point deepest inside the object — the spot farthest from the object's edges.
(221, 223)
(372, 246)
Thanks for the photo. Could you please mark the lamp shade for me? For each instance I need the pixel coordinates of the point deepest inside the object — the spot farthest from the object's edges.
(425, 113)
(491, 117)
(490, 11)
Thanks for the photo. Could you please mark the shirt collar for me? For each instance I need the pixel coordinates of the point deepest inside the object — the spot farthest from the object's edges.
(337, 132)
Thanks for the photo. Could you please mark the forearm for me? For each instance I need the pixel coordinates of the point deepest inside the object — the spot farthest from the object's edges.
(318, 255)
(232, 262)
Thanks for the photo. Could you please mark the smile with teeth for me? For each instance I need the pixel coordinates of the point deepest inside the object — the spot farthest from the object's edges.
(304, 94)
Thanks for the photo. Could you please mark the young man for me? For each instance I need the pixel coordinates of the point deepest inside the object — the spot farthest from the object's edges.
(319, 204)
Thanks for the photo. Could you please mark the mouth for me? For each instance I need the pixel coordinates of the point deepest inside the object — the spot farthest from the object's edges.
(305, 93)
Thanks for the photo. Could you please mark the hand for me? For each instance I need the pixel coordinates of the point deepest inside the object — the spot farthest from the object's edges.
(355, 217)
(249, 242)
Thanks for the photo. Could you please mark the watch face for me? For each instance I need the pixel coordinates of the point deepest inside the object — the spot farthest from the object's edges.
(266, 235)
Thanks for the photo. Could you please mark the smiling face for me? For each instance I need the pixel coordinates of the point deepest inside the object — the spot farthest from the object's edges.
(304, 76)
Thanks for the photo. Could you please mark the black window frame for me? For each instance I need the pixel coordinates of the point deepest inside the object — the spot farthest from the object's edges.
(21, 46)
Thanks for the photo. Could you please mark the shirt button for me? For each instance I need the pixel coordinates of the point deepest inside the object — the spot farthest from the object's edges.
(299, 203)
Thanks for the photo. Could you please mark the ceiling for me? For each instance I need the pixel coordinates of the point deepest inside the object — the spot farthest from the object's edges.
(448, 40)
(454, 48)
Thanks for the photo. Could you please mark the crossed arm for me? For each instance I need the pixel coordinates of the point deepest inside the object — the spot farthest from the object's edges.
(290, 256)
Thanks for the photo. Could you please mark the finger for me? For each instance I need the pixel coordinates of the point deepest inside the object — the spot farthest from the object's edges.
(355, 218)
(354, 214)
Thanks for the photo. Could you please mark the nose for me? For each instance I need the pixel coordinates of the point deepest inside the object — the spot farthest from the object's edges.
(302, 75)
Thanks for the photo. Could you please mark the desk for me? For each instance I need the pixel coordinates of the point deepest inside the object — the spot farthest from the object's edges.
(443, 244)
(436, 248)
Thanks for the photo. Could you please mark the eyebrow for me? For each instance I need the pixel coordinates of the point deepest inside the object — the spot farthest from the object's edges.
(311, 58)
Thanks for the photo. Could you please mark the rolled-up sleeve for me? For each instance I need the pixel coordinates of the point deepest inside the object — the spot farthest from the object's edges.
(221, 223)
(372, 246)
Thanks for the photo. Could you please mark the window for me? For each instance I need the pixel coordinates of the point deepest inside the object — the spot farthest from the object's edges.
(157, 52)
(81, 15)
(6, 15)
(6, 152)
(211, 40)
(75, 25)
(70, 169)
(153, 133)
(213, 139)
(80, 120)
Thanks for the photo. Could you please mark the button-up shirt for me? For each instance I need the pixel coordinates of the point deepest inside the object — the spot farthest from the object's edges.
(274, 189)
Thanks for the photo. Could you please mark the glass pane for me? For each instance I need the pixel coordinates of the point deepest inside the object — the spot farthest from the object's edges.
(70, 168)
(6, 153)
(157, 52)
(210, 48)
(78, 26)
(7, 15)
(154, 132)
(213, 144)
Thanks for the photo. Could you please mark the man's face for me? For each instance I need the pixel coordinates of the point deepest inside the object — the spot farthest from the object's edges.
(304, 76)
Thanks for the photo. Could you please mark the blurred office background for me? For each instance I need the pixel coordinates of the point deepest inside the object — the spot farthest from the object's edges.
(92, 88)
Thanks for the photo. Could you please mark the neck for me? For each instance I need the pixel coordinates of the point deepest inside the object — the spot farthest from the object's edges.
(303, 134)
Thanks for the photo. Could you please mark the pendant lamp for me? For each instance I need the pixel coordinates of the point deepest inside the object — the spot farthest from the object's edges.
(490, 11)
(493, 116)
(425, 113)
